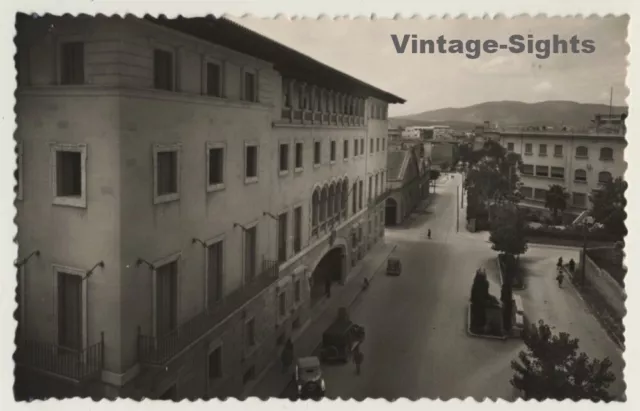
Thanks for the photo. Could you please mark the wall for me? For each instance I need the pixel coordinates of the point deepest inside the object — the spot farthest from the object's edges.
(606, 286)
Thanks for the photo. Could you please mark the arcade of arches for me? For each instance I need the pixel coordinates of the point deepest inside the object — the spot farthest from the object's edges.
(329, 271)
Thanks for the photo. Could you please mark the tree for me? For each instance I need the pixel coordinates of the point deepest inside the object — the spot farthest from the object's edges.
(552, 368)
(508, 231)
(479, 297)
(556, 200)
(609, 204)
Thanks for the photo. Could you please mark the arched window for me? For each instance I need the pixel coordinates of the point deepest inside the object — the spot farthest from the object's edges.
(345, 197)
(604, 177)
(323, 204)
(580, 176)
(582, 152)
(331, 201)
(337, 200)
(315, 208)
(606, 153)
(286, 96)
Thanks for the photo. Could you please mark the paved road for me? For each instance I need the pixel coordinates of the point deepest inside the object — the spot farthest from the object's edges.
(416, 342)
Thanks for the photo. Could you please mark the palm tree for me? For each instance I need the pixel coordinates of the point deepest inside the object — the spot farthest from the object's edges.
(556, 200)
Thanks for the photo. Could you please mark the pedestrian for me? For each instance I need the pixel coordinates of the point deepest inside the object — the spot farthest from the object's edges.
(327, 287)
(358, 357)
(287, 355)
(572, 266)
(560, 262)
(429, 234)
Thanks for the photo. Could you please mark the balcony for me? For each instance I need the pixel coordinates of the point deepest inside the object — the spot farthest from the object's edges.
(75, 365)
(160, 350)
(299, 116)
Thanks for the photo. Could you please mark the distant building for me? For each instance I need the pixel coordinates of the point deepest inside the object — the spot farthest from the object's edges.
(580, 162)
(407, 180)
(394, 133)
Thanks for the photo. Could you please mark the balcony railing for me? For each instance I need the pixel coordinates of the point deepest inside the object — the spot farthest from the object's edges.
(76, 365)
(289, 115)
(160, 350)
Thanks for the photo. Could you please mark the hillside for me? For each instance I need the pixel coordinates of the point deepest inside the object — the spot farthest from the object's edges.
(511, 113)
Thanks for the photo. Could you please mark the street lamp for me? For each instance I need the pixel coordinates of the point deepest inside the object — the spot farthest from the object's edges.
(588, 221)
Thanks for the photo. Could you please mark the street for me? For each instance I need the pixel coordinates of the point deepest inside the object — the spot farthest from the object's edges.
(417, 345)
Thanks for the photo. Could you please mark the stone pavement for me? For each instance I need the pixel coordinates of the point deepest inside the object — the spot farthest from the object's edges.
(273, 381)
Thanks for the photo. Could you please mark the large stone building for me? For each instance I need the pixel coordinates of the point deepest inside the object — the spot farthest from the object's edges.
(185, 189)
(577, 161)
(407, 180)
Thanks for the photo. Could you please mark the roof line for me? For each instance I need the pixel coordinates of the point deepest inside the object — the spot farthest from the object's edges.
(311, 59)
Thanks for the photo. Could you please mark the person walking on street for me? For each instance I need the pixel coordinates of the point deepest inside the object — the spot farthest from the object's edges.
(327, 287)
(429, 234)
(560, 262)
(358, 357)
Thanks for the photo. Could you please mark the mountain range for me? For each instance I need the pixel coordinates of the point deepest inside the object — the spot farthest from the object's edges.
(510, 113)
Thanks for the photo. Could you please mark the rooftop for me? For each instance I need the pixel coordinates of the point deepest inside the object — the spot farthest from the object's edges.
(289, 62)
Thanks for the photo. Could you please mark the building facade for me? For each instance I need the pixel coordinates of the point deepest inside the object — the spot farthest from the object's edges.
(579, 162)
(184, 187)
(407, 179)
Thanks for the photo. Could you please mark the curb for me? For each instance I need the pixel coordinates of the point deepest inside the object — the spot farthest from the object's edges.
(559, 247)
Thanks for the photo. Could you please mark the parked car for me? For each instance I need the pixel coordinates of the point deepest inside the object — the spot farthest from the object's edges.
(308, 378)
(340, 339)
(394, 266)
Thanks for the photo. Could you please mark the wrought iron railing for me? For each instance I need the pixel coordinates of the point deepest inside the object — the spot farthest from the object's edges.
(159, 350)
(77, 365)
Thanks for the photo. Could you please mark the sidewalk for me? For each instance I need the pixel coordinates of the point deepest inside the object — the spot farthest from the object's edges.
(273, 381)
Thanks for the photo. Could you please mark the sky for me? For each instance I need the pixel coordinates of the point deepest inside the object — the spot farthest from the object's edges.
(364, 49)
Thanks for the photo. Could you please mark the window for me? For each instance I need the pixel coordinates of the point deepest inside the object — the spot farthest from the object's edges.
(527, 192)
(284, 158)
(606, 154)
(582, 152)
(345, 149)
(163, 75)
(510, 146)
(297, 291)
(282, 237)
(70, 309)
(215, 166)
(370, 191)
(604, 177)
(316, 153)
(318, 106)
(214, 80)
(371, 146)
(557, 172)
(215, 363)
(282, 304)
(362, 146)
(355, 147)
(250, 333)
(360, 194)
(542, 171)
(251, 163)
(543, 150)
(302, 98)
(72, 63)
(540, 194)
(250, 87)
(286, 94)
(332, 154)
(299, 156)
(167, 173)
(17, 174)
(315, 210)
(557, 150)
(580, 176)
(354, 198)
(528, 148)
(250, 253)
(297, 230)
(579, 200)
(215, 273)
(166, 301)
(527, 169)
(384, 140)
(69, 174)
(378, 144)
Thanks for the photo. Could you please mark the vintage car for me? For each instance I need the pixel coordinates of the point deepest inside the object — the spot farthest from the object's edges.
(340, 339)
(394, 266)
(308, 378)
